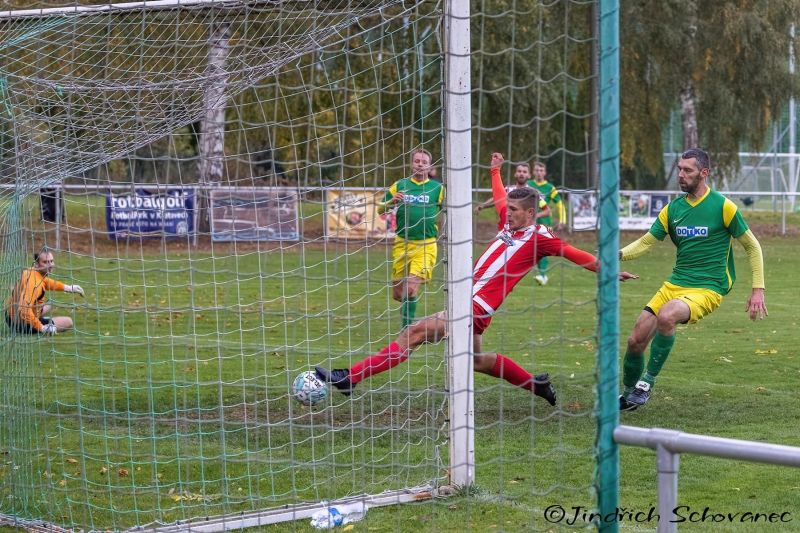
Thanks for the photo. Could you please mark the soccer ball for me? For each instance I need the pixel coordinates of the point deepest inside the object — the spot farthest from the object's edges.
(308, 389)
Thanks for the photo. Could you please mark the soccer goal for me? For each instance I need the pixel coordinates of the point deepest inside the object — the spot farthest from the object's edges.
(211, 175)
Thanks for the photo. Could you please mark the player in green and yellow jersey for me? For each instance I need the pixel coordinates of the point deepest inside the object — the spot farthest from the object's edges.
(550, 194)
(417, 200)
(702, 224)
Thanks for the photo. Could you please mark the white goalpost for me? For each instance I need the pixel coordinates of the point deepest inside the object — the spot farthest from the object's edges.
(210, 173)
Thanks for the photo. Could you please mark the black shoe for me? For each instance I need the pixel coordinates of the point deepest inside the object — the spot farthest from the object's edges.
(544, 389)
(625, 405)
(640, 393)
(338, 377)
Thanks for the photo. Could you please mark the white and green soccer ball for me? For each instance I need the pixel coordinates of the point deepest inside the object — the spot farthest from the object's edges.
(308, 389)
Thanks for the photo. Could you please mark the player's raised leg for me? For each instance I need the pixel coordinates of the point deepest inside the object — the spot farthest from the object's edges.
(503, 367)
(428, 330)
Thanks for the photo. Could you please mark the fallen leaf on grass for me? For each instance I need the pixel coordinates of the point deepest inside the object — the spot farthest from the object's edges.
(723, 358)
(72, 461)
(766, 352)
(123, 472)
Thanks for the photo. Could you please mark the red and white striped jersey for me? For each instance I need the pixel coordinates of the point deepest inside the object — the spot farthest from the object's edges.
(507, 260)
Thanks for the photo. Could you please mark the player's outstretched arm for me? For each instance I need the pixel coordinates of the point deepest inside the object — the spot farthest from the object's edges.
(484, 205)
(74, 288)
(589, 262)
(638, 248)
(756, 305)
(499, 193)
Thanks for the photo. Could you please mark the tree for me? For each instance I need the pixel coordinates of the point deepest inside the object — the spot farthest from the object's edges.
(212, 131)
(722, 63)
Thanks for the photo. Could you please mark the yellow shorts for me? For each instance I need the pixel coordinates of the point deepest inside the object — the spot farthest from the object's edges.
(413, 258)
(701, 302)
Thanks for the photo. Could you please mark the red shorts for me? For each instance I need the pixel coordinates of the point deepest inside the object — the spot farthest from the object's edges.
(480, 319)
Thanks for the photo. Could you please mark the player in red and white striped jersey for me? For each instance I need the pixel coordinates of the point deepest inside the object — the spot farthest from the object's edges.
(513, 253)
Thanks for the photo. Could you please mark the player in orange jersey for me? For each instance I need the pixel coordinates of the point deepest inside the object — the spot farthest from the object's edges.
(25, 308)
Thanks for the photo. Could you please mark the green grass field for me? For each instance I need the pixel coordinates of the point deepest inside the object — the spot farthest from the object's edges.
(170, 399)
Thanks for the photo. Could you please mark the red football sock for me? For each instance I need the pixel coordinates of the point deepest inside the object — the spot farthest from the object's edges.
(390, 356)
(510, 371)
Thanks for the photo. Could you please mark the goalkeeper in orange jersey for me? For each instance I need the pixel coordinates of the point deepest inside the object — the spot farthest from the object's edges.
(25, 307)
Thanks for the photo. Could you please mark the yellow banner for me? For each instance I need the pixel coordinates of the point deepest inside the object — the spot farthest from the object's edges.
(353, 214)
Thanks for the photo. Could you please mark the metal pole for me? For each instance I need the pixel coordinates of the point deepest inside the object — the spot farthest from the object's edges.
(774, 166)
(792, 126)
(783, 213)
(607, 452)
(667, 465)
(458, 161)
(678, 442)
(669, 444)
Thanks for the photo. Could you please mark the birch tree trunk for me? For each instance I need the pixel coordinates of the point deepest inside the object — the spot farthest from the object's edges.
(211, 144)
(689, 116)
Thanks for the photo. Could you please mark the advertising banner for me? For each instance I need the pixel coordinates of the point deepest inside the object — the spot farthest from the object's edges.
(353, 214)
(584, 210)
(150, 214)
(637, 209)
(268, 214)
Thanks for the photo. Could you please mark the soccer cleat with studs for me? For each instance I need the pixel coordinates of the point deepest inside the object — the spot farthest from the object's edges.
(544, 389)
(640, 393)
(338, 377)
(625, 405)
(541, 279)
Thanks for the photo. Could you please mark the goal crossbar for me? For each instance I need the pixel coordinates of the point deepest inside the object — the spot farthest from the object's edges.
(148, 5)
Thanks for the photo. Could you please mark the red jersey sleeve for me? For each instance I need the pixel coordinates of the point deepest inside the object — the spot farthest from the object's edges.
(499, 195)
(579, 257)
